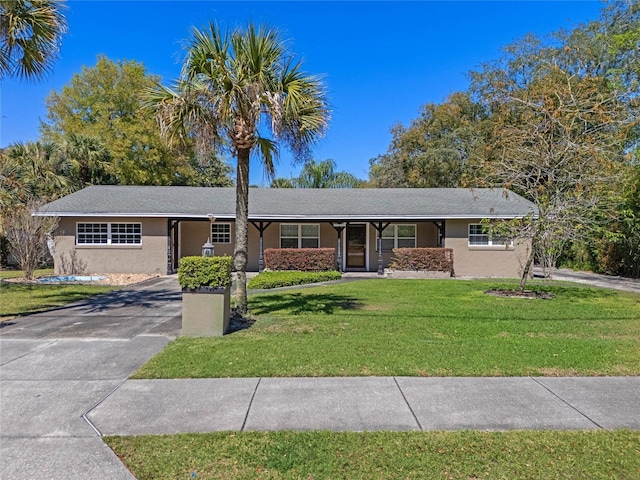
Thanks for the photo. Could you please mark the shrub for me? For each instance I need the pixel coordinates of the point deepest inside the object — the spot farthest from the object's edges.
(427, 259)
(288, 278)
(197, 272)
(300, 259)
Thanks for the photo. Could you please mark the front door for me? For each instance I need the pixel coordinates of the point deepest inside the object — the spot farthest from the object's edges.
(356, 246)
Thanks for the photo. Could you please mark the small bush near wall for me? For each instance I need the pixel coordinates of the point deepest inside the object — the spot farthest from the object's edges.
(197, 272)
(301, 259)
(285, 279)
(423, 259)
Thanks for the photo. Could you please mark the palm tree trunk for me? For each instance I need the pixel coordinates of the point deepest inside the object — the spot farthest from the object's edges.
(242, 229)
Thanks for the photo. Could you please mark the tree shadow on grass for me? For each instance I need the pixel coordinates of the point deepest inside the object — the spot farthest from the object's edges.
(299, 304)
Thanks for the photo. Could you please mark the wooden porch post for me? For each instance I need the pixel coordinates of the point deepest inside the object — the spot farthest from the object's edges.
(380, 226)
(339, 227)
(261, 228)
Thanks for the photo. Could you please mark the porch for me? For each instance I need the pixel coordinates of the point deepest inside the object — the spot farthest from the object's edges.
(360, 245)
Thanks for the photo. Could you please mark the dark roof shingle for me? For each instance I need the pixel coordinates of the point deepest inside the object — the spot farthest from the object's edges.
(292, 203)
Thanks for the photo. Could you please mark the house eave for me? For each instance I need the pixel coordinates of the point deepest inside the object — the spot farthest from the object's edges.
(283, 218)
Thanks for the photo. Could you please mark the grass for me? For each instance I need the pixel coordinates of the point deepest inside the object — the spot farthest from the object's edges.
(418, 328)
(384, 455)
(41, 272)
(21, 298)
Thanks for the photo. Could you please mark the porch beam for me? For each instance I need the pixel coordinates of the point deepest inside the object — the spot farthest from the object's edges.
(261, 226)
(380, 226)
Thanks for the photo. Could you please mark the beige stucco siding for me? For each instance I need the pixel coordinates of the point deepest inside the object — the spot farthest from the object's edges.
(483, 261)
(149, 257)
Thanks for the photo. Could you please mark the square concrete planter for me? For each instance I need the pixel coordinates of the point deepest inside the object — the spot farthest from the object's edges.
(206, 312)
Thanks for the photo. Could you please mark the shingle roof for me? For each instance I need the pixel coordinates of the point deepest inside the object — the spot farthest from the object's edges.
(292, 203)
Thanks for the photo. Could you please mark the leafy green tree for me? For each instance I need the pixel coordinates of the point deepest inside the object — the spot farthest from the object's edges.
(30, 35)
(324, 175)
(103, 103)
(436, 149)
(242, 91)
(209, 172)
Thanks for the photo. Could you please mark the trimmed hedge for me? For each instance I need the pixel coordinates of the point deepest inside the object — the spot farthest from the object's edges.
(423, 259)
(300, 259)
(196, 272)
(285, 279)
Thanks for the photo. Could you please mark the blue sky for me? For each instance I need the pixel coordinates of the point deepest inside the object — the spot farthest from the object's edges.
(381, 60)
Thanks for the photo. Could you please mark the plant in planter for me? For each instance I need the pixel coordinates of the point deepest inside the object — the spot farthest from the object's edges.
(206, 305)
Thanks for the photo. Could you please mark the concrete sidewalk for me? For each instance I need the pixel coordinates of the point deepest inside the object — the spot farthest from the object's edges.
(368, 403)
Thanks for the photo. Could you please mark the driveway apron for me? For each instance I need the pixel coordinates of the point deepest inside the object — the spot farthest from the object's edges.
(57, 365)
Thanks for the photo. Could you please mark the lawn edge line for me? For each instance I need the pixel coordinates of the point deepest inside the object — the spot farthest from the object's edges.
(246, 416)
(408, 404)
(567, 403)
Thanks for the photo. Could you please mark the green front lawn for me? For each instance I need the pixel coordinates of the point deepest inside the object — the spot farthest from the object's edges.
(418, 328)
(463, 455)
(21, 299)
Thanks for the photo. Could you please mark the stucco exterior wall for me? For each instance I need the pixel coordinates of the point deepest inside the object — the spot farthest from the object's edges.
(149, 257)
(483, 261)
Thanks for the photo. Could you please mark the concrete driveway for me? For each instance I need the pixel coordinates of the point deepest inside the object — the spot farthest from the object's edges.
(57, 365)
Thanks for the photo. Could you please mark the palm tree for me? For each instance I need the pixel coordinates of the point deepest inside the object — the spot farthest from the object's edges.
(234, 87)
(32, 171)
(281, 182)
(323, 175)
(30, 35)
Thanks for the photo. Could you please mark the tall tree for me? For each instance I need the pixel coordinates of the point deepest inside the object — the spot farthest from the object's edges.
(558, 139)
(30, 35)
(436, 149)
(324, 175)
(104, 103)
(235, 89)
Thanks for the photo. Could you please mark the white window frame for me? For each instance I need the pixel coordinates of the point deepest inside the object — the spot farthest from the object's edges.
(111, 233)
(395, 236)
(224, 235)
(488, 235)
(299, 236)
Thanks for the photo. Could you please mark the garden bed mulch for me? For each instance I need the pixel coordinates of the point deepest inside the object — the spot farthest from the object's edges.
(510, 293)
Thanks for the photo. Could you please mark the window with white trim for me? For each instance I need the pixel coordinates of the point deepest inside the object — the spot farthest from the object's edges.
(293, 235)
(108, 234)
(220, 233)
(478, 236)
(398, 236)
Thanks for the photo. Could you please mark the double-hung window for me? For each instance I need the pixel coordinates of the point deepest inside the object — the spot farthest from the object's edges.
(398, 236)
(109, 234)
(478, 236)
(221, 233)
(294, 235)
